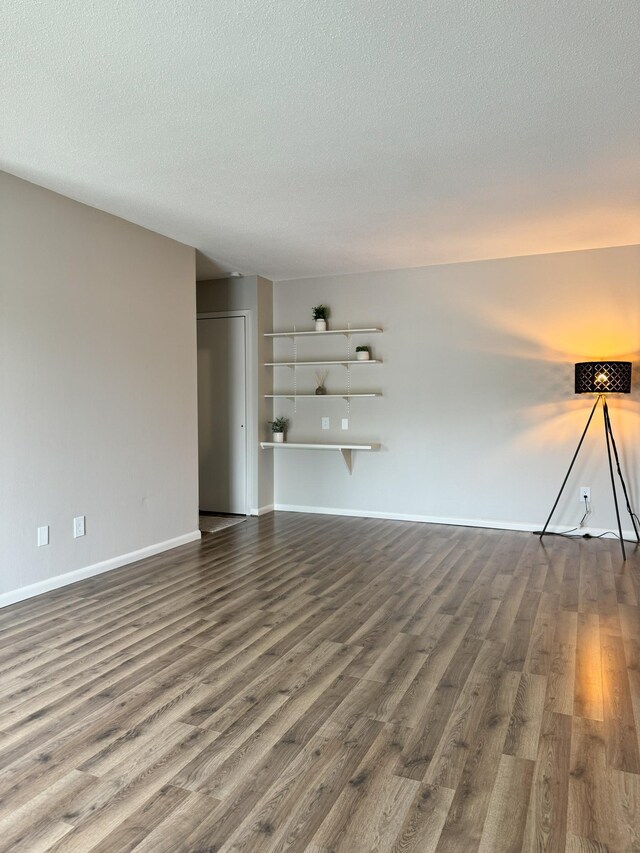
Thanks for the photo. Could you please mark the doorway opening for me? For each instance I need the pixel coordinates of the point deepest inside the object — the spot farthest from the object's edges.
(222, 413)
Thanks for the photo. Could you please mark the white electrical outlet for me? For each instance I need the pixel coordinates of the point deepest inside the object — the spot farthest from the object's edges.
(325, 423)
(345, 423)
(43, 535)
(585, 494)
(78, 526)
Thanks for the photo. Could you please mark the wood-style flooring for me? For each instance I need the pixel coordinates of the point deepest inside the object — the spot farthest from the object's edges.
(327, 684)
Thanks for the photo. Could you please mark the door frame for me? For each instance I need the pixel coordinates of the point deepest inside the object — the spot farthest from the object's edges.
(249, 404)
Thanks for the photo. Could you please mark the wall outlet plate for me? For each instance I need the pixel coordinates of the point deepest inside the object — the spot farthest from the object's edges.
(585, 494)
(345, 423)
(79, 526)
(43, 536)
(325, 423)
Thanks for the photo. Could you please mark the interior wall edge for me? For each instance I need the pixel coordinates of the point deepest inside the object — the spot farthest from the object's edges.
(261, 510)
(484, 523)
(35, 589)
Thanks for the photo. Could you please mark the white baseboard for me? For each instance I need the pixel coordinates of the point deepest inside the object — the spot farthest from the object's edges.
(488, 523)
(58, 581)
(261, 510)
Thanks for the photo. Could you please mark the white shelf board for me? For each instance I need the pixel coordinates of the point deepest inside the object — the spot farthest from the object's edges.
(303, 363)
(345, 449)
(318, 396)
(293, 334)
(312, 445)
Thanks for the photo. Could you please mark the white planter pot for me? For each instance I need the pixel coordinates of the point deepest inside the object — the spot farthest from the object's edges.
(363, 356)
(321, 325)
(278, 437)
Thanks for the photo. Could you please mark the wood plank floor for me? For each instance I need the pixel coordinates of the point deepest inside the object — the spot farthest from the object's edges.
(328, 684)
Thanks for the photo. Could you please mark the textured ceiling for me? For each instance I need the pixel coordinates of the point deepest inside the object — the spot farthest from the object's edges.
(309, 137)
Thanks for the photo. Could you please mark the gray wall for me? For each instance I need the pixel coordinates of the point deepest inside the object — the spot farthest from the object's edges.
(98, 387)
(478, 420)
(254, 294)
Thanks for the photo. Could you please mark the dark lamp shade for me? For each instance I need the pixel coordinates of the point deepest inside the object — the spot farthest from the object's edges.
(603, 377)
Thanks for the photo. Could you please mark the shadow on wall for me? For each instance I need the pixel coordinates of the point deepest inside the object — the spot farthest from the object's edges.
(541, 357)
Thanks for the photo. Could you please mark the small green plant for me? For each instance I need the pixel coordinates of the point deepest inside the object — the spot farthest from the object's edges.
(279, 425)
(320, 312)
(363, 349)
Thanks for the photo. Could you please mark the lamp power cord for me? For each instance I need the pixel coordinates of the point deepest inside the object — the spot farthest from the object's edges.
(570, 534)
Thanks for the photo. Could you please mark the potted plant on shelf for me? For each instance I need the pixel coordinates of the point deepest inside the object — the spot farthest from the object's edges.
(279, 427)
(363, 353)
(321, 378)
(320, 314)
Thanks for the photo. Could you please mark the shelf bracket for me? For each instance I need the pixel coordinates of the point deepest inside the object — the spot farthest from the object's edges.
(348, 459)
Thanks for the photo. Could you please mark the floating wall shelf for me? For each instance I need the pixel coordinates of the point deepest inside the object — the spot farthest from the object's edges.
(294, 396)
(345, 449)
(303, 363)
(295, 334)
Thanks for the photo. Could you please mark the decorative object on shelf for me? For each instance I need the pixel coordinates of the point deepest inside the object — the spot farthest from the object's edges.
(279, 427)
(363, 353)
(602, 378)
(321, 378)
(320, 315)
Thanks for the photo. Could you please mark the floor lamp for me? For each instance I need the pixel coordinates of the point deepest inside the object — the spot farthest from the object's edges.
(602, 378)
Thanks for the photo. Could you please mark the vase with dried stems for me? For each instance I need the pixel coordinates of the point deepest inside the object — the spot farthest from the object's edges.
(321, 378)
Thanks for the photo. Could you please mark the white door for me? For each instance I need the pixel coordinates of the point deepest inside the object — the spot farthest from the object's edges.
(222, 414)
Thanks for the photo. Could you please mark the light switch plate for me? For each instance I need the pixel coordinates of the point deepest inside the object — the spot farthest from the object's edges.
(345, 423)
(43, 535)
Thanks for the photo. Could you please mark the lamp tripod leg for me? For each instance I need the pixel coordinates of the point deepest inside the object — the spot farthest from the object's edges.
(619, 469)
(575, 456)
(607, 426)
